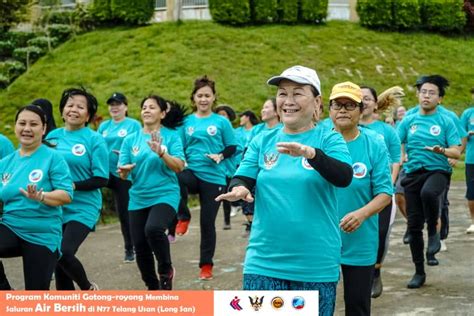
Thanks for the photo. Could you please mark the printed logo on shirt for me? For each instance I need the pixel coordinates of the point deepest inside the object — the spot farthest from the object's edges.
(122, 133)
(190, 130)
(104, 134)
(305, 164)
(380, 136)
(435, 130)
(471, 120)
(135, 150)
(413, 129)
(270, 160)
(6, 177)
(35, 175)
(78, 150)
(212, 130)
(360, 170)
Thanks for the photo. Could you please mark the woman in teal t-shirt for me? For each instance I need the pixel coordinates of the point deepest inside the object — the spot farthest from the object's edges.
(85, 152)
(35, 183)
(295, 242)
(359, 204)
(114, 132)
(208, 139)
(152, 157)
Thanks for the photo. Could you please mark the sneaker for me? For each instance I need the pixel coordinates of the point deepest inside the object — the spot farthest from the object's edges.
(129, 256)
(182, 227)
(94, 287)
(377, 287)
(443, 246)
(470, 230)
(166, 280)
(226, 226)
(417, 281)
(206, 272)
(431, 260)
(234, 210)
(171, 239)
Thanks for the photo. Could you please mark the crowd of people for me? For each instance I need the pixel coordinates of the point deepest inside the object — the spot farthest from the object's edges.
(343, 177)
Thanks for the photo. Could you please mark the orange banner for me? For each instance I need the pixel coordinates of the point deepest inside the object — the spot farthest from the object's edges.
(26, 303)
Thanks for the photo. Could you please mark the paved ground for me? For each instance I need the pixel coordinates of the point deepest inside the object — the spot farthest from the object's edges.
(449, 289)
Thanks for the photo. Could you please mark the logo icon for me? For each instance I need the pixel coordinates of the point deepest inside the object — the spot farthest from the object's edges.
(135, 150)
(360, 170)
(104, 134)
(78, 150)
(212, 130)
(277, 302)
(36, 175)
(270, 160)
(256, 302)
(413, 128)
(435, 130)
(235, 304)
(190, 130)
(6, 177)
(122, 132)
(305, 164)
(298, 302)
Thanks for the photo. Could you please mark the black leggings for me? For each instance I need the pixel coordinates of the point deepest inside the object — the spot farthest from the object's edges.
(120, 190)
(423, 193)
(357, 289)
(445, 212)
(38, 261)
(69, 268)
(189, 183)
(384, 232)
(148, 228)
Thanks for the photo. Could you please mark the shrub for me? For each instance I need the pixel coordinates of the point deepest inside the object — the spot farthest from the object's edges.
(28, 55)
(264, 11)
(314, 11)
(20, 39)
(60, 31)
(4, 81)
(82, 18)
(133, 12)
(443, 15)
(42, 42)
(230, 11)
(100, 10)
(375, 13)
(6, 49)
(288, 11)
(406, 14)
(13, 69)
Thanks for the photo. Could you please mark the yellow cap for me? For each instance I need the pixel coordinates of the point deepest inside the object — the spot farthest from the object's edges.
(346, 90)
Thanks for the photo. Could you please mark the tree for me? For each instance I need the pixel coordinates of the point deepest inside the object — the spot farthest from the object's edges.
(10, 12)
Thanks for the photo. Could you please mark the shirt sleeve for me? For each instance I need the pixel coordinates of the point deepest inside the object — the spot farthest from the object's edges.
(458, 126)
(60, 175)
(100, 160)
(334, 146)
(176, 147)
(402, 131)
(124, 156)
(228, 136)
(6, 147)
(452, 135)
(464, 122)
(394, 145)
(381, 178)
(249, 165)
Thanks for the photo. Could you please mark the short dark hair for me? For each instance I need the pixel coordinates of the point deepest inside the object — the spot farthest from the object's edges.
(92, 103)
(175, 112)
(251, 115)
(372, 91)
(202, 82)
(227, 109)
(38, 111)
(439, 81)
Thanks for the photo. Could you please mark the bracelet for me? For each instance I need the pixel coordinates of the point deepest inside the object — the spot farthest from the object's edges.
(162, 154)
(42, 197)
(443, 150)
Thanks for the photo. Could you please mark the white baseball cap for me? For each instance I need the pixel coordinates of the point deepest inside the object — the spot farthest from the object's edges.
(298, 74)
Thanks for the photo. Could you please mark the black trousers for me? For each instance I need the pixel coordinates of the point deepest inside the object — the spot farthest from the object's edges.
(120, 190)
(189, 183)
(69, 267)
(357, 289)
(38, 261)
(445, 212)
(148, 228)
(423, 193)
(384, 232)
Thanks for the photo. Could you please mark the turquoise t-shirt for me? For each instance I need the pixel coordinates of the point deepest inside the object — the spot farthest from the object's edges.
(371, 177)
(260, 128)
(243, 135)
(467, 122)
(442, 110)
(6, 146)
(153, 182)
(85, 152)
(418, 131)
(114, 134)
(202, 136)
(390, 137)
(33, 221)
(295, 232)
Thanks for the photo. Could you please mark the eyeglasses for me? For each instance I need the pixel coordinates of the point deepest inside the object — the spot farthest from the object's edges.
(430, 93)
(349, 106)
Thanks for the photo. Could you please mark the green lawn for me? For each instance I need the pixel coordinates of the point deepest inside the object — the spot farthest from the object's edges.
(165, 58)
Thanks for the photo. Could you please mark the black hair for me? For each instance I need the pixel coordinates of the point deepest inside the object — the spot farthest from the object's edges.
(372, 91)
(228, 109)
(92, 104)
(251, 115)
(38, 111)
(314, 91)
(47, 108)
(202, 82)
(439, 81)
(175, 112)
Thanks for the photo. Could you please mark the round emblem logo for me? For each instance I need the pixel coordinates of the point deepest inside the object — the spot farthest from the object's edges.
(35, 175)
(78, 150)
(298, 302)
(211, 130)
(122, 133)
(435, 130)
(104, 134)
(360, 170)
(277, 302)
(305, 164)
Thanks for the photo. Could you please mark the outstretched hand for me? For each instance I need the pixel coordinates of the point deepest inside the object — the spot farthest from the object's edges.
(32, 192)
(238, 193)
(351, 222)
(124, 170)
(155, 143)
(436, 149)
(296, 149)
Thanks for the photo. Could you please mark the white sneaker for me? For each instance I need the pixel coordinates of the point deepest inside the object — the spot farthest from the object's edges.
(443, 246)
(470, 230)
(234, 210)
(94, 287)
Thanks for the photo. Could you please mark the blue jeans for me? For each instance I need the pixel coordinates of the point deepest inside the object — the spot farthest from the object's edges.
(327, 290)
